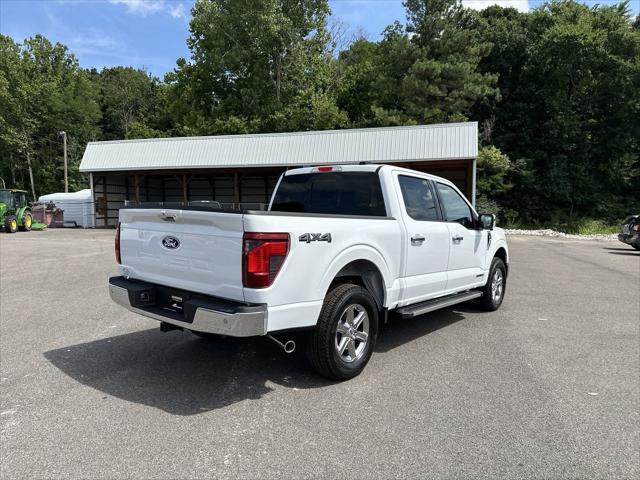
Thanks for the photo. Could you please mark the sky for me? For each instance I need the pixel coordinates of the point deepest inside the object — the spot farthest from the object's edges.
(151, 34)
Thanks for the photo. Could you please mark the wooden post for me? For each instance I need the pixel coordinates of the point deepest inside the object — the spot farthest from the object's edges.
(185, 196)
(33, 188)
(106, 202)
(236, 188)
(266, 189)
(212, 184)
(93, 201)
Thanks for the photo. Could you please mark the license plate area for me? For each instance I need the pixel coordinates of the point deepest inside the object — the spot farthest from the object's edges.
(169, 302)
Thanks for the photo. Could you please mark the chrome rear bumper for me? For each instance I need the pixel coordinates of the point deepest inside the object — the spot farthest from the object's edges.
(235, 321)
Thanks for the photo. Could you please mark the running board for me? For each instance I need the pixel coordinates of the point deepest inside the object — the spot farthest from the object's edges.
(438, 303)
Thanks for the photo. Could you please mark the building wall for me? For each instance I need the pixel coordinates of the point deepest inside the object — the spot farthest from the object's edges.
(248, 188)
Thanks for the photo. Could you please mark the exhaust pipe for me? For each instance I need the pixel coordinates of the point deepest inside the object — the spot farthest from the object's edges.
(289, 346)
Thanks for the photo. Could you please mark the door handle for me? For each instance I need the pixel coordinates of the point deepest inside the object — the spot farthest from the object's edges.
(417, 240)
(167, 217)
(457, 238)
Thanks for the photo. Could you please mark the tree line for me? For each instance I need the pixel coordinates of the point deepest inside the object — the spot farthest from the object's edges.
(556, 92)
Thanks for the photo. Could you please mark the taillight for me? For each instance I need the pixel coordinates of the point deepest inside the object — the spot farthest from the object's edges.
(118, 259)
(636, 227)
(262, 256)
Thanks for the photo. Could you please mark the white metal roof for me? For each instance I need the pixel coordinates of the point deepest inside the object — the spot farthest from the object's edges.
(380, 145)
(79, 196)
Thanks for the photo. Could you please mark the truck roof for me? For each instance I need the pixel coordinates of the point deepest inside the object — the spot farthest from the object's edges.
(14, 190)
(367, 167)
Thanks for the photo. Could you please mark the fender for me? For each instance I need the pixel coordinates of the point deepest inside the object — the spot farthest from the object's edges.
(499, 243)
(21, 214)
(351, 254)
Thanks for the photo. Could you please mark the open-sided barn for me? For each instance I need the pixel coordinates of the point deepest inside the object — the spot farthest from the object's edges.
(241, 171)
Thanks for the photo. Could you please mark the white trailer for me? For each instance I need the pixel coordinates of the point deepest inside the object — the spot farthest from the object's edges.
(77, 206)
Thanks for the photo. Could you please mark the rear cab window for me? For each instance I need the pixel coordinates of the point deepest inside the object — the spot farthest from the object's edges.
(419, 199)
(337, 193)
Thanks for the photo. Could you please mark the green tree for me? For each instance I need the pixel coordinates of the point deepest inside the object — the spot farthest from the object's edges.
(129, 101)
(444, 82)
(15, 124)
(264, 65)
(46, 92)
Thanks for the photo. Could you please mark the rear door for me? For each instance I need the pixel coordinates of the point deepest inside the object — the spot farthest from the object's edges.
(468, 245)
(198, 251)
(426, 240)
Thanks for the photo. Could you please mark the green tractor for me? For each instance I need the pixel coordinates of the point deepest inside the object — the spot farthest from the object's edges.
(15, 212)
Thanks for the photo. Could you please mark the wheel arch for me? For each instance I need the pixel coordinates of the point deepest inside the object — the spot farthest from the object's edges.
(21, 212)
(363, 267)
(501, 253)
(365, 274)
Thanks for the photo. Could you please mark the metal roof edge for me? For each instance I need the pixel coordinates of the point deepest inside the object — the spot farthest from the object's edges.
(288, 134)
(296, 165)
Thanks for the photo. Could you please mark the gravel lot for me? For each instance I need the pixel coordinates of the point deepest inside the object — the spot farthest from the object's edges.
(548, 386)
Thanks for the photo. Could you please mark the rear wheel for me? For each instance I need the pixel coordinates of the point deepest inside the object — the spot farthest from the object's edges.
(494, 290)
(343, 340)
(27, 221)
(11, 224)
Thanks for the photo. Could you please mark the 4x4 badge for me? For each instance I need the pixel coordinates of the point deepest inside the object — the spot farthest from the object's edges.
(315, 237)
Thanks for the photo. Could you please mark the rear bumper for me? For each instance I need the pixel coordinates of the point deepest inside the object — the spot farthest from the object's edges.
(629, 239)
(200, 313)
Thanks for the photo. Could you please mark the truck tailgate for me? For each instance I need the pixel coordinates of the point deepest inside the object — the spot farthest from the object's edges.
(199, 251)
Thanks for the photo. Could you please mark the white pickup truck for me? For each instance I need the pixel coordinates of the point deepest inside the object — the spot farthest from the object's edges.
(339, 248)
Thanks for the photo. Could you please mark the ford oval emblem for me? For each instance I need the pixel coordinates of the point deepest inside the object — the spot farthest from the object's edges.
(170, 242)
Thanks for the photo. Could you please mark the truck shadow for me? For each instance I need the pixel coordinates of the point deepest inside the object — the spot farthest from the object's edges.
(622, 251)
(399, 331)
(184, 375)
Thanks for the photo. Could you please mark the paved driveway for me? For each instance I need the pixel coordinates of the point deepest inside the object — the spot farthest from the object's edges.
(548, 386)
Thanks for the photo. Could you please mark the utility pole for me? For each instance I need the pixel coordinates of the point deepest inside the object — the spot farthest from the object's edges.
(66, 178)
(33, 188)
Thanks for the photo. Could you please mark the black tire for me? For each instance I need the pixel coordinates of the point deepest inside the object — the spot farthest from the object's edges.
(321, 343)
(488, 301)
(27, 220)
(11, 224)
(637, 247)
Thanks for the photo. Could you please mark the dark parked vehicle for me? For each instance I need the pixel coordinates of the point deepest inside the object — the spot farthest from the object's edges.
(630, 231)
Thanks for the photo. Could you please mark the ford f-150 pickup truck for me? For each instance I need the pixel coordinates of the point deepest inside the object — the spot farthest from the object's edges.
(338, 249)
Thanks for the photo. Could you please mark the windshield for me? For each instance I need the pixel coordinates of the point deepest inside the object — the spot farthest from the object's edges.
(6, 197)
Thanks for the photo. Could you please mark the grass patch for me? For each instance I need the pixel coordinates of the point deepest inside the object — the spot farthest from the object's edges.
(582, 226)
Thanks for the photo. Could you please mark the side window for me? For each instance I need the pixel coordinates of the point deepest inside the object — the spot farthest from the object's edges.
(418, 198)
(455, 208)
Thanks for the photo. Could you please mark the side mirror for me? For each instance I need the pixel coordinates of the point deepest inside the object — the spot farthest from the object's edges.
(487, 221)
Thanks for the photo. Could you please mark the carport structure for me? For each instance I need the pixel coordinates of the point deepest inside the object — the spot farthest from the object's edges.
(241, 171)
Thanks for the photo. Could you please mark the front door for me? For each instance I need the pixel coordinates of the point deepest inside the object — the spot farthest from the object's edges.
(427, 240)
(468, 244)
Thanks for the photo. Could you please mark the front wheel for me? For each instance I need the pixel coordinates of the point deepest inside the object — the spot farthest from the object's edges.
(343, 340)
(493, 292)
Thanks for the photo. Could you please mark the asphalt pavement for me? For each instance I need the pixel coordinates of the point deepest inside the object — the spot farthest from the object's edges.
(548, 386)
